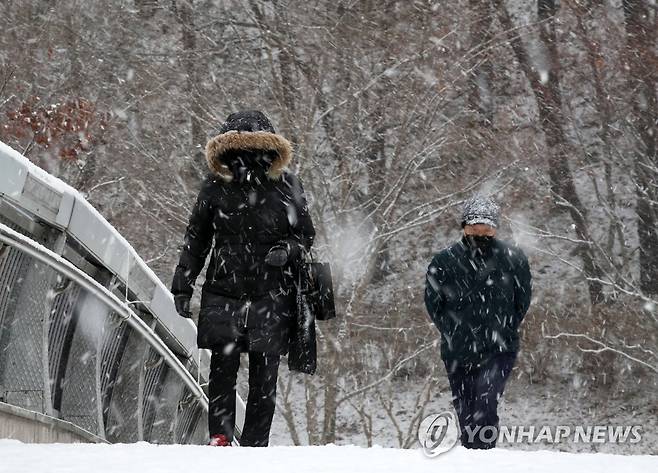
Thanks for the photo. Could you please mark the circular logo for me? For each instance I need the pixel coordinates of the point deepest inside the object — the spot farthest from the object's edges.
(438, 433)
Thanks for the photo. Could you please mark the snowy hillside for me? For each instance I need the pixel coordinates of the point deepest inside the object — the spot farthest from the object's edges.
(143, 458)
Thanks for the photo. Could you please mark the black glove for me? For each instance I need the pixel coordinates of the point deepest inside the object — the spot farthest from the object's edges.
(277, 256)
(183, 306)
(284, 252)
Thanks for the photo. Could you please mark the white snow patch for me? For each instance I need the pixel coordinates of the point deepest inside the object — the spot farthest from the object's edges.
(143, 458)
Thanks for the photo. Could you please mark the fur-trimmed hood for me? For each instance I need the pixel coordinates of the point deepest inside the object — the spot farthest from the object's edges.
(218, 146)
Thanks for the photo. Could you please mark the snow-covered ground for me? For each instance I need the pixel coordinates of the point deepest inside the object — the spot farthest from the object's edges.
(549, 404)
(144, 458)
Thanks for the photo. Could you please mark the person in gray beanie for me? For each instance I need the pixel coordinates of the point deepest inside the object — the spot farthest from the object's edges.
(477, 292)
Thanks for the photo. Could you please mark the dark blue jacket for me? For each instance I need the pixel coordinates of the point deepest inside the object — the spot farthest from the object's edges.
(477, 296)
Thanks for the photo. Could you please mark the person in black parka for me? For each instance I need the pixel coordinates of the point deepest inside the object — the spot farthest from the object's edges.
(478, 290)
(251, 216)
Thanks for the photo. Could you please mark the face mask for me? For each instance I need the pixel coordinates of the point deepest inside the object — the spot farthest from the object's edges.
(248, 166)
(480, 241)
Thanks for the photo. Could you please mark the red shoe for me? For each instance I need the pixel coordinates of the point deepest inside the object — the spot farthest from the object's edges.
(219, 440)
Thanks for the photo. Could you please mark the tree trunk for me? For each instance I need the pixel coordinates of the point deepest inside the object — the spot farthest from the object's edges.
(642, 65)
(330, 381)
(605, 110)
(546, 88)
(198, 138)
(480, 97)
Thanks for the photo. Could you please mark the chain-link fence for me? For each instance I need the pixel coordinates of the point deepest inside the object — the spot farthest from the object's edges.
(67, 352)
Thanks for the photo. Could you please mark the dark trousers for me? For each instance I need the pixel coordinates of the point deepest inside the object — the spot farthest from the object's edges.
(263, 373)
(476, 390)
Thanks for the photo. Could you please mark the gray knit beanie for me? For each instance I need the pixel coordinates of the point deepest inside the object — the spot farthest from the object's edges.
(480, 209)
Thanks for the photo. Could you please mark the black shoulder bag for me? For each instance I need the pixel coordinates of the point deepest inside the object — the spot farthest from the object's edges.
(320, 290)
(315, 300)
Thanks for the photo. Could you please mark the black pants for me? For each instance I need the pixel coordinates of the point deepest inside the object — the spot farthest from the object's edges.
(476, 390)
(263, 373)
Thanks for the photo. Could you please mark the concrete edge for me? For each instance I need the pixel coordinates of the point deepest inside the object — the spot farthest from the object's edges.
(51, 423)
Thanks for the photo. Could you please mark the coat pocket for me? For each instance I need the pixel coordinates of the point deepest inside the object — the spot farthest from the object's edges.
(220, 322)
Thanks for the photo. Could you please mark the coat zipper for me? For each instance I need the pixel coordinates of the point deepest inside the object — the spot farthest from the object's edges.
(246, 316)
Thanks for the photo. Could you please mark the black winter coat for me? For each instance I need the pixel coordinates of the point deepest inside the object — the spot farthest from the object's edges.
(242, 211)
(477, 296)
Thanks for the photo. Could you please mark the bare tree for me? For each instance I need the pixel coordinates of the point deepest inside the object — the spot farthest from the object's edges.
(642, 66)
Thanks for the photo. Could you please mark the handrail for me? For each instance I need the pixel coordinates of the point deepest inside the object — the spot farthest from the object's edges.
(44, 198)
(26, 245)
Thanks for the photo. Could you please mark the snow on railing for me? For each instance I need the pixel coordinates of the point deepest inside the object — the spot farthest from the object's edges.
(88, 333)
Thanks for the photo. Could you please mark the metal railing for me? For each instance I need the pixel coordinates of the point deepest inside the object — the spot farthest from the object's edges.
(71, 349)
(88, 334)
